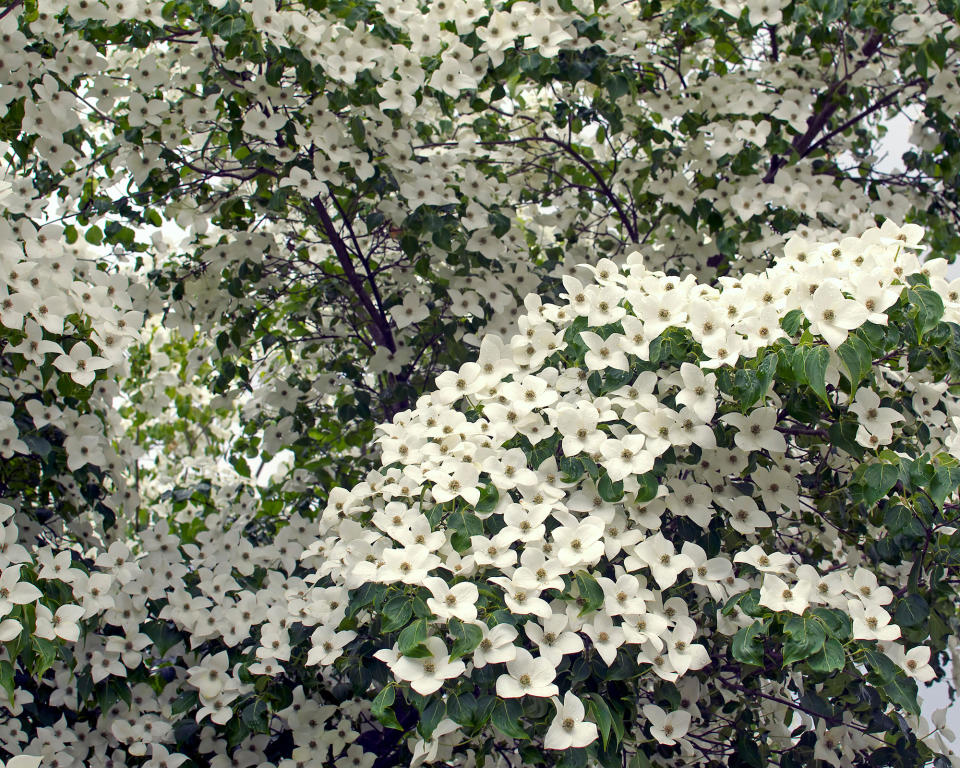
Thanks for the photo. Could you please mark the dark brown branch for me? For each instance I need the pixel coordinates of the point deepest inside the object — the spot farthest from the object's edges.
(801, 144)
(380, 327)
(10, 8)
(605, 188)
(885, 101)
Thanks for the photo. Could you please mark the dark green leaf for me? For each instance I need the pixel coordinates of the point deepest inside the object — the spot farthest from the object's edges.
(875, 481)
(857, 361)
(590, 592)
(747, 646)
(380, 708)
(506, 718)
(944, 483)
(610, 491)
(815, 361)
(792, 321)
(927, 308)
(396, 613)
(431, 716)
(828, 659)
(489, 498)
(410, 640)
(805, 636)
(911, 611)
(601, 713)
(466, 637)
(648, 487)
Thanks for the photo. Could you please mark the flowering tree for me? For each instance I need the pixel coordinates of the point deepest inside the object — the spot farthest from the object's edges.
(668, 459)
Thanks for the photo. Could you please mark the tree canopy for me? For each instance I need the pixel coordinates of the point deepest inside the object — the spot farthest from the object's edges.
(477, 383)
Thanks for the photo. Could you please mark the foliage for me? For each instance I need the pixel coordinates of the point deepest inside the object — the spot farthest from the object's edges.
(610, 278)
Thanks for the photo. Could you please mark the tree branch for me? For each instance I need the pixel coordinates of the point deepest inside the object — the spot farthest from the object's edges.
(10, 8)
(380, 327)
(801, 144)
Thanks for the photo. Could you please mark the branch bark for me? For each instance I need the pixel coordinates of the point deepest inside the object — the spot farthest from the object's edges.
(802, 144)
(379, 324)
(7, 10)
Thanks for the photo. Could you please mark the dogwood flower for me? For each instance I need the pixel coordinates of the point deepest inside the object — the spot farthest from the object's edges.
(667, 728)
(497, 646)
(15, 592)
(458, 601)
(777, 595)
(527, 676)
(871, 622)
(831, 314)
(569, 729)
(427, 673)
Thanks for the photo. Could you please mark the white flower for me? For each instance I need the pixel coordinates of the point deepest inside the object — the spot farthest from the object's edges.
(662, 559)
(831, 314)
(569, 729)
(606, 636)
(553, 637)
(916, 663)
(527, 676)
(667, 728)
(777, 595)
(756, 431)
(579, 545)
(327, 645)
(497, 645)
(871, 622)
(81, 364)
(63, 624)
(458, 601)
(15, 592)
(425, 674)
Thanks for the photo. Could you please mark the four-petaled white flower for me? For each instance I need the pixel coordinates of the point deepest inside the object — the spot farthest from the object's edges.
(833, 315)
(424, 673)
(527, 676)
(667, 728)
(569, 729)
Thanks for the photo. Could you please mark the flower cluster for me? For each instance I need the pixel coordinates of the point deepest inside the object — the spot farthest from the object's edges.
(600, 488)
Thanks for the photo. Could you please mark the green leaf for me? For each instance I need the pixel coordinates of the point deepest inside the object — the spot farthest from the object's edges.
(902, 691)
(396, 613)
(410, 641)
(506, 718)
(466, 637)
(828, 659)
(94, 235)
(648, 487)
(747, 646)
(857, 361)
(882, 666)
(875, 481)
(792, 321)
(601, 713)
(255, 716)
(815, 361)
(590, 591)
(944, 483)
(927, 309)
(464, 524)
(911, 611)
(489, 498)
(610, 491)
(805, 636)
(431, 716)
(837, 622)
(6, 678)
(46, 655)
(380, 708)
